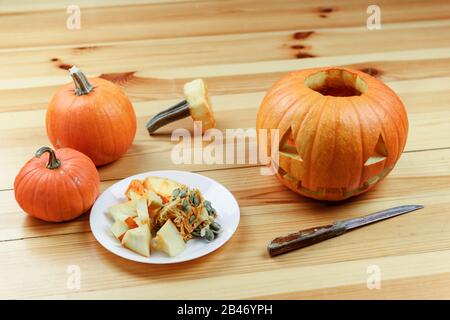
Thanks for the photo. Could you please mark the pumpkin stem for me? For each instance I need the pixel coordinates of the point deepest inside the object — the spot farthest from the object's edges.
(177, 112)
(81, 82)
(53, 162)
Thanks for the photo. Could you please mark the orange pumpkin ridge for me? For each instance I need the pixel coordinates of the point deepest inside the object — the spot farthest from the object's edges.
(348, 131)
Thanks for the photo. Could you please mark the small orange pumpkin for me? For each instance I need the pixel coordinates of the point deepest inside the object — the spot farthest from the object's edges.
(57, 186)
(341, 131)
(92, 116)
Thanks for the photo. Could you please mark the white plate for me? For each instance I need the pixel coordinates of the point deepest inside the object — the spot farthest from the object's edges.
(221, 199)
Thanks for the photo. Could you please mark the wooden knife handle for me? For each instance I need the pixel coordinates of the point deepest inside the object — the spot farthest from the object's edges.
(304, 238)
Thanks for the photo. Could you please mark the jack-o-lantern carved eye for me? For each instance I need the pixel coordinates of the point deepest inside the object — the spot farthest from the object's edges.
(287, 146)
(379, 153)
(290, 162)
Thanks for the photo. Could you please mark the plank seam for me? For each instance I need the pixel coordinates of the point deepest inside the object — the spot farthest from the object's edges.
(390, 25)
(45, 236)
(250, 166)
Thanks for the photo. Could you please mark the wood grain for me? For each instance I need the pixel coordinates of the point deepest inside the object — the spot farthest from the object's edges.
(240, 47)
(156, 20)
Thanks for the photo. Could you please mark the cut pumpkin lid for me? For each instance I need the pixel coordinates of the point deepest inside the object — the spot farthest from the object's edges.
(196, 105)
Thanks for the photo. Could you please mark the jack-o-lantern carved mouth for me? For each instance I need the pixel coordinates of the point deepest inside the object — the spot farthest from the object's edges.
(297, 185)
(291, 161)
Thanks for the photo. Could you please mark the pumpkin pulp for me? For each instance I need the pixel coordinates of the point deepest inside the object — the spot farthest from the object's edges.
(336, 83)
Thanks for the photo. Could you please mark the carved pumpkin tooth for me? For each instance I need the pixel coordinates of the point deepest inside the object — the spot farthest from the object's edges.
(196, 105)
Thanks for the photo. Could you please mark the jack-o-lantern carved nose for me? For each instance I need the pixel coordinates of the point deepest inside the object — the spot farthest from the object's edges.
(379, 153)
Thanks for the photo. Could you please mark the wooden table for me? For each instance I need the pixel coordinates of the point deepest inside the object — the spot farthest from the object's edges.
(240, 48)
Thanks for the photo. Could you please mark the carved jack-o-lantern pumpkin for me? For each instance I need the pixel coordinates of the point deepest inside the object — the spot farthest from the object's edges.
(341, 131)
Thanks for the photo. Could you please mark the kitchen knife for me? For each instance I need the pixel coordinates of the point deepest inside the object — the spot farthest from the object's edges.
(307, 237)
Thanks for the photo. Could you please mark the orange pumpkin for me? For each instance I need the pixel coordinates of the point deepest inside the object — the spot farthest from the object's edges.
(57, 186)
(340, 131)
(92, 116)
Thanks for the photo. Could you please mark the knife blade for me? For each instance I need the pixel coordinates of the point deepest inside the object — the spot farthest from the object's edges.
(307, 237)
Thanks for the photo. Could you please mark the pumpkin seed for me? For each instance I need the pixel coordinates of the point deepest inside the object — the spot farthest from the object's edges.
(193, 198)
(185, 205)
(196, 232)
(209, 235)
(205, 233)
(208, 206)
(195, 201)
(182, 193)
(192, 219)
(175, 192)
(215, 226)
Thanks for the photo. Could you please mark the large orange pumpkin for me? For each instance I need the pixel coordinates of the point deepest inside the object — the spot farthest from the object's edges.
(57, 186)
(341, 131)
(92, 116)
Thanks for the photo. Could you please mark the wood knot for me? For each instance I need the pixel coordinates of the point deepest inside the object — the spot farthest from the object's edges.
(61, 65)
(120, 78)
(65, 66)
(372, 71)
(302, 35)
(85, 48)
(303, 55)
(326, 10)
(298, 46)
(323, 11)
